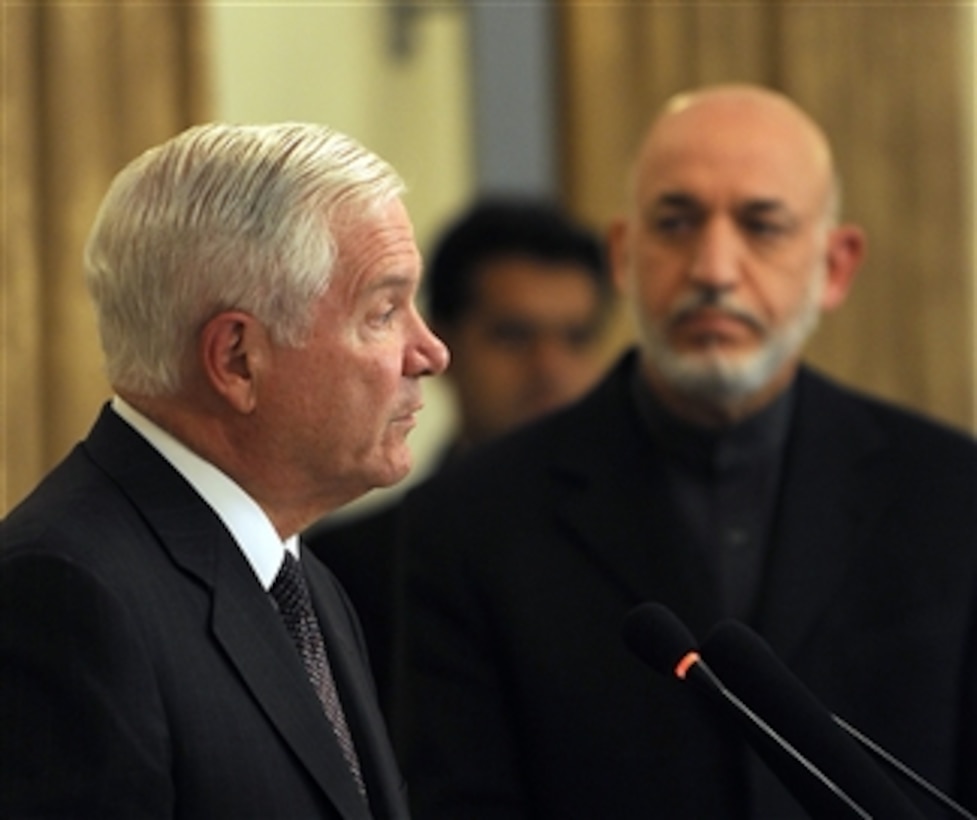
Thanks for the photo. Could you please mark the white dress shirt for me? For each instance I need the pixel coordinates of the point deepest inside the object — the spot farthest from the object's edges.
(248, 524)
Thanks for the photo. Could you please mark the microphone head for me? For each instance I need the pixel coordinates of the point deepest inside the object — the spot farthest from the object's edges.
(746, 661)
(748, 665)
(656, 635)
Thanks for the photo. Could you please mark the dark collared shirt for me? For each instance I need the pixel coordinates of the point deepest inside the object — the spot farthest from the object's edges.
(724, 484)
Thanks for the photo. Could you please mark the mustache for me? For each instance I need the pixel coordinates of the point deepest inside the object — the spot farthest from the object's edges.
(716, 301)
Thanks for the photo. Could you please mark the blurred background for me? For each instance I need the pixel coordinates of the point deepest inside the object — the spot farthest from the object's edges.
(467, 98)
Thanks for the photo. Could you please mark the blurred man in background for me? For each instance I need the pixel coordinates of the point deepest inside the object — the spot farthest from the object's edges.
(520, 293)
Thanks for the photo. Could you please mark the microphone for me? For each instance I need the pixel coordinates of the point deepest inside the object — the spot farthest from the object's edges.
(660, 639)
(750, 666)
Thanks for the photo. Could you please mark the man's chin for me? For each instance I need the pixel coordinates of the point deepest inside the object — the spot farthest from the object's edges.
(395, 470)
(716, 375)
(713, 361)
(716, 352)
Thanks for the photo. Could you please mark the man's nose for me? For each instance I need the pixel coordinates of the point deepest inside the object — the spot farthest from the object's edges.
(429, 356)
(716, 262)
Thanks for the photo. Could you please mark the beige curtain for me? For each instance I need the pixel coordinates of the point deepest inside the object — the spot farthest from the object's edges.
(892, 85)
(86, 88)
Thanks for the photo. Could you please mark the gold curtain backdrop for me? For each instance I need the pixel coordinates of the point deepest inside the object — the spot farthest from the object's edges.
(893, 85)
(86, 87)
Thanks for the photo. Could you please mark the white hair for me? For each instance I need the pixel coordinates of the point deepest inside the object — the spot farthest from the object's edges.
(222, 217)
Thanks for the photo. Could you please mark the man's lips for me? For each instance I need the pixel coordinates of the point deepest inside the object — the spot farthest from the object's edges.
(715, 324)
(408, 416)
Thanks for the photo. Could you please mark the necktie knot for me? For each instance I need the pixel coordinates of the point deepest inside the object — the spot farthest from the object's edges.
(291, 596)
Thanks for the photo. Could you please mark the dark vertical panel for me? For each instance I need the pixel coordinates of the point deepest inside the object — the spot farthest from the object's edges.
(514, 94)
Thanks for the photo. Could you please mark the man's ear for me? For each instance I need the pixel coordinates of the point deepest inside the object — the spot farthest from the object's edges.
(846, 250)
(618, 252)
(233, 347)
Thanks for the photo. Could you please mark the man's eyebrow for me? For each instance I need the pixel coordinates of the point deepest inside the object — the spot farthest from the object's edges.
(764, 206)
(671, 202)
(683, 200)
(392, 281)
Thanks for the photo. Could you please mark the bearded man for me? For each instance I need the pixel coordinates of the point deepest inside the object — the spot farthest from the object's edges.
(713, 472)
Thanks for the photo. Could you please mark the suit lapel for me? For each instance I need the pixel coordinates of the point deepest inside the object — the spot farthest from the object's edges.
(244, 623)
(615, 501)
(251, 632)
(380, 771)
(833, 490)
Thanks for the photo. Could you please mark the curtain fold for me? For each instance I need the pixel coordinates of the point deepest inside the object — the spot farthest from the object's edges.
(892, 84)
(86, 88)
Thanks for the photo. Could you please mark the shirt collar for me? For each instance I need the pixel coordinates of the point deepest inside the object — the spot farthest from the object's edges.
(247, 523)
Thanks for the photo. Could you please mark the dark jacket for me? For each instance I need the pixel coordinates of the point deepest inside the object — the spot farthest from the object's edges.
(144, 671)
(524, 560)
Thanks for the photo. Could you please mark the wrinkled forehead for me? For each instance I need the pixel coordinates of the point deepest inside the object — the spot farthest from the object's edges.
(376, 245)
(735, 151)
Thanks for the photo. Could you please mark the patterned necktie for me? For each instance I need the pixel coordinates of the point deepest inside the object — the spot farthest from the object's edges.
(291, 594)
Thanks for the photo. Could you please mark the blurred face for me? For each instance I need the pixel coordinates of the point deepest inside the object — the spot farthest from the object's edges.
(527, 345)
(728, 254)
(345, 402)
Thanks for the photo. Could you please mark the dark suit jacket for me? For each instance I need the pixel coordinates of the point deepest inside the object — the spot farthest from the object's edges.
(144, 671)
(362, 554)
(523, 562)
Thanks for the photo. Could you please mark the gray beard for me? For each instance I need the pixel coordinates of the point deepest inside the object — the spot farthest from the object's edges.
(723, 380)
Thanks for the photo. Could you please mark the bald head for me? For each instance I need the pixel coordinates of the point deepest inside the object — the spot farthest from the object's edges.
(763, 132)
(743, 96)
